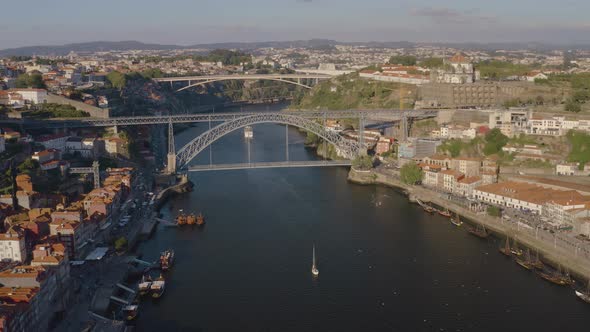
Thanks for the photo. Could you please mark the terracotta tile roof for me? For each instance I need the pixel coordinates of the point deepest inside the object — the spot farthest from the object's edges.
(18, 294)
(527, 192)
(470, 180)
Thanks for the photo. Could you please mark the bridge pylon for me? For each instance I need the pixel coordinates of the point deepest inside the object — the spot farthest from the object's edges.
(171, 157)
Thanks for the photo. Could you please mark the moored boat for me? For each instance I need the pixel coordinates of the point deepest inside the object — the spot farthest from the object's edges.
(479, 231)
(191, 219)
(145, 284)
(130, 311)
(200, 220)
(158, 287)
(166, 259)
(514, 250)
(557, 277)
(429, 209)
(527, 262)
(537, 263)
(445, 213)
(456, 220)
(181, 219)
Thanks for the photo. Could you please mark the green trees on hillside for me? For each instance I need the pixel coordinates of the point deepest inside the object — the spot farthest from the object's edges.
(432, 63)
(580, 147)
(363, 162)
(33, 80)
(494, 142)
(117, 79)
(410, 173)
(404, 60)
(46, 111)
(494, 69)
(573, 106)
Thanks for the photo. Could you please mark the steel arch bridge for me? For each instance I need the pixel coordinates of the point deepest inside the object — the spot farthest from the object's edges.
(346, 147)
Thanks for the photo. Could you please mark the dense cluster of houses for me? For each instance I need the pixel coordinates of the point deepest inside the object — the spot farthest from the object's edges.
(477, 179)
(38, 243)
(516, 121)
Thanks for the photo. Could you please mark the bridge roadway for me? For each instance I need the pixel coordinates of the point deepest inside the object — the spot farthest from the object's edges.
(381, 115)
(242, 77)
(279, 164)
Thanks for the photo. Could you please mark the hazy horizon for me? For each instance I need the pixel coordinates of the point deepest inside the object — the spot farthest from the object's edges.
(184, 22)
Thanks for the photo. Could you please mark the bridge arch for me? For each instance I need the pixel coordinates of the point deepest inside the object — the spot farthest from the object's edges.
(242, 79)
(347, 147)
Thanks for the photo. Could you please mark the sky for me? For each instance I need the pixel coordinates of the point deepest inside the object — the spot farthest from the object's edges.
(187, 22)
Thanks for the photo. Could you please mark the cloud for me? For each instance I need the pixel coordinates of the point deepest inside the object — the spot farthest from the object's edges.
(451, 16)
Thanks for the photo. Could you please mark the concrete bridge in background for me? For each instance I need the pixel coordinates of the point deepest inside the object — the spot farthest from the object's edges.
(295, 79)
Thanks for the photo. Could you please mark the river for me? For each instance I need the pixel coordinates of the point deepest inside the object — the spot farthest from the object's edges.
(385, 265)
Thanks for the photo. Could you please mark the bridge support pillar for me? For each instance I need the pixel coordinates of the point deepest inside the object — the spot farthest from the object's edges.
(171, 157)
(362, 148)
(116, 131)
(171, 163)
(96, 173)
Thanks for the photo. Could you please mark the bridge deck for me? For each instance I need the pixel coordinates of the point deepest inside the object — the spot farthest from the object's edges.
(240, 77)
(280, 164)
(383, 115)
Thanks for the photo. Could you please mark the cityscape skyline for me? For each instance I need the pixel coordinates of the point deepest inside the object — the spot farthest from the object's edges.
(185, 22)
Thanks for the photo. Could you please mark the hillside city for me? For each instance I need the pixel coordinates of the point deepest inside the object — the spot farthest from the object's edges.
(510, 144)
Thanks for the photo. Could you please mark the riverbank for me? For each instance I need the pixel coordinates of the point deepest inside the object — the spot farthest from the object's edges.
(552, 254)
(183, 186)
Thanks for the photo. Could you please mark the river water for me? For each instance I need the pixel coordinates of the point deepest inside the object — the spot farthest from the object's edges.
(385, 265)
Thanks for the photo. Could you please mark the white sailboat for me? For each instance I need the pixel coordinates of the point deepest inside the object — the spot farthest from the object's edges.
(314, 269)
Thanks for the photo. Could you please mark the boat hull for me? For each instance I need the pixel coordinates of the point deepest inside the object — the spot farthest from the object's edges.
(525, 265)
(583, 297)
(556, 280)
(479, 234)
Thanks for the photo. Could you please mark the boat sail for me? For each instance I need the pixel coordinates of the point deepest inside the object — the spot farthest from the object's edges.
(527, 262)
(506, 249)
(314, 269)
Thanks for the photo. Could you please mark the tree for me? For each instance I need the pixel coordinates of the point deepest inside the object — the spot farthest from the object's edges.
(432, 63)
(404, 60)
(494, 211)
(152, 73)
(28, 165)
(495, 140)
(120, 243)
(410, 173)
(117, 79)
(454, 147)
(363, 162)
(34, 81)
(572, 106)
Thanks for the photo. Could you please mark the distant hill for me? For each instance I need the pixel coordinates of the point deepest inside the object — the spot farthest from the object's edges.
(312, 43)
(84, 47)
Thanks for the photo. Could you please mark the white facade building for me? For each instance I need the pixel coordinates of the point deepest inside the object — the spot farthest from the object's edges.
(12, 246)
(36, 96)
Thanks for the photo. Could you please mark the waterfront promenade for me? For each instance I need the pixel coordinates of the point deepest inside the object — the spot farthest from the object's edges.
(555, 248)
